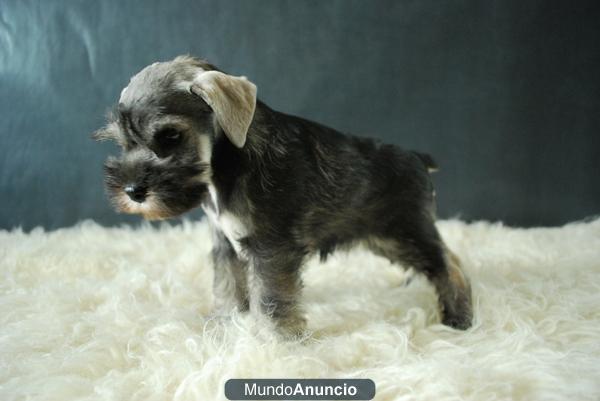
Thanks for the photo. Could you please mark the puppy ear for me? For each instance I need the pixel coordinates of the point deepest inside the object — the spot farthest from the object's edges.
(232, 99)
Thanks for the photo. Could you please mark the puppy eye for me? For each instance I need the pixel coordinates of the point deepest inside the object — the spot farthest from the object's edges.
(168, 137)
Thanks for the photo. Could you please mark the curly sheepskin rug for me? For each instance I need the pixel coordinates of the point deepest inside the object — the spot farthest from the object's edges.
(95, 313)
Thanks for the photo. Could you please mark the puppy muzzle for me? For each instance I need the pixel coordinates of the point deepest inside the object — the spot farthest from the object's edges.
(155, 188)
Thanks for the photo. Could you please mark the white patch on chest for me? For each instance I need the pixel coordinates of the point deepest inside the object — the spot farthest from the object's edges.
(228, 223)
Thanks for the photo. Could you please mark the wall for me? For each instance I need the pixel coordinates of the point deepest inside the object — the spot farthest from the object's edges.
(504, 94)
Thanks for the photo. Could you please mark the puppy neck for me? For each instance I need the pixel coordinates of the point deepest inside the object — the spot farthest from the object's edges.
(261, 133)
(230, 165)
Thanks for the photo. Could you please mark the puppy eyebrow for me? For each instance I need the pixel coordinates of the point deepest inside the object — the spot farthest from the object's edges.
(127, 123)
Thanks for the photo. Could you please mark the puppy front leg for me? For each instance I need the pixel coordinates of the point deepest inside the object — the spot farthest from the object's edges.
(274, 287)
(230, 277)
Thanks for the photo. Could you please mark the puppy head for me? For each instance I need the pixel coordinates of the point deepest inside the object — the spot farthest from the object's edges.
(165, 123)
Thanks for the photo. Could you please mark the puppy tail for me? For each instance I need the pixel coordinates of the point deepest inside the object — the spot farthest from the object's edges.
(428, 161)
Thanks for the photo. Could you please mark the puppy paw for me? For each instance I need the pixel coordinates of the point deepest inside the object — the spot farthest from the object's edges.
(292, 327)
(457, 322)
(458, 315)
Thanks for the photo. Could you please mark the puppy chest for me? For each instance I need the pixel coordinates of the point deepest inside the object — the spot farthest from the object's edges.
(231, 227)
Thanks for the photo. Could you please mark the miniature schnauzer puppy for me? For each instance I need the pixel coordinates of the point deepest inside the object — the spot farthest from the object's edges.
(277, 188)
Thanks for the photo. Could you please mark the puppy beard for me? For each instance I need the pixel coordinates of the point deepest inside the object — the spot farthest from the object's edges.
(151, 209)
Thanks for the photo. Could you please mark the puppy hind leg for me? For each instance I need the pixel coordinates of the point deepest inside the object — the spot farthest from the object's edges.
(425, 251)
(458, 307)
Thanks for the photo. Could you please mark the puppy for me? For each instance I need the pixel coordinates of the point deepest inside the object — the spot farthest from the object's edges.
(277, 188)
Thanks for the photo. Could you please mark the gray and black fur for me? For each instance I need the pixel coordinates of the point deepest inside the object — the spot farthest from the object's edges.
(295, 188)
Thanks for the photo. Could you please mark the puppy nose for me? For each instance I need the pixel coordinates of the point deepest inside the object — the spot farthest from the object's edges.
(137, 193)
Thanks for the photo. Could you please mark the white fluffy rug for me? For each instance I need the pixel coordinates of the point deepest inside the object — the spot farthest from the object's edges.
(119, 314)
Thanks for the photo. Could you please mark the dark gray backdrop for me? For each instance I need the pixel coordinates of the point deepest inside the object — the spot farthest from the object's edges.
(504, 94)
